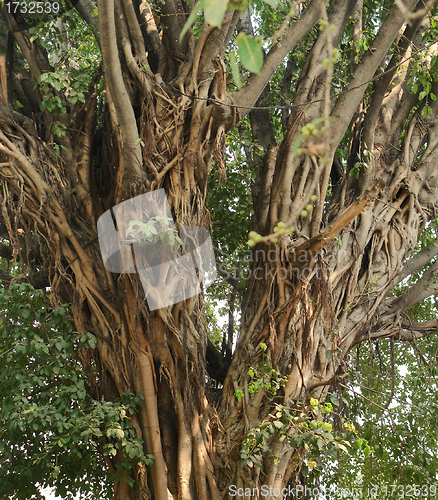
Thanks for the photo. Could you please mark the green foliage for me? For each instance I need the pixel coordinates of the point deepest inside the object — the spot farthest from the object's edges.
(50, 430)
(239, 394)
(424, 69)
(301, 426)
(83, 51)
(230, 205)
(394, 405)
(264, 377)
(403, 435)
(363, 164)
(73, 75)
(52, 83)
(250, 52)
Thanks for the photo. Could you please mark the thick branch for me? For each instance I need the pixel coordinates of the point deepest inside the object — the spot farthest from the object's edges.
(422, 289)
(115, 82)
(415, 330)
(381, 85)
(356, 32)
(350, 99)
(34, 54)
(261, 124)
(406, 332)
(86, 9)
(150, 34)
(173, 21)
(417, 261)
(248, 96)
(335, 227)
(134, 30)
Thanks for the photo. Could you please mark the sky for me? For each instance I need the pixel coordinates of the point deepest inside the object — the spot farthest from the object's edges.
(49, 495)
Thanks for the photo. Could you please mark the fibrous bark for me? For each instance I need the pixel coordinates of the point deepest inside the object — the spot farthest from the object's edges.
(325, 288)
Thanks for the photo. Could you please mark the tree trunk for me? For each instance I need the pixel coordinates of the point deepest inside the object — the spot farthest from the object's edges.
(310, 297)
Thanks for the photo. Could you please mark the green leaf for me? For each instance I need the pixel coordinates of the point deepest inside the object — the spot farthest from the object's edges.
(342, 447)
(250, 53)
(170, 237)
(190, 20)
(335, 400)
(272, 3)
(235, 71)
(297, 143)
(215, 11)
(434, 64)
(57, 85)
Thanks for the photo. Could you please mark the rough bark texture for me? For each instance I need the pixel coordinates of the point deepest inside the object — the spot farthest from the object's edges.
(323, 288)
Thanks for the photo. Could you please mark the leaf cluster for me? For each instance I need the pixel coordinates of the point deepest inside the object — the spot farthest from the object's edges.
(302, 426)
(52, 433)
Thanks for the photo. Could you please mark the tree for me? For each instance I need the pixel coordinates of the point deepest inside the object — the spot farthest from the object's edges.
(344, 185)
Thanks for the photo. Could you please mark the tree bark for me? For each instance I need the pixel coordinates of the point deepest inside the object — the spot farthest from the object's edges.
(310, 298)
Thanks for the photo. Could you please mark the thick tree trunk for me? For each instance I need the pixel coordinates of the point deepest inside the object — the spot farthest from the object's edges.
(310, 298)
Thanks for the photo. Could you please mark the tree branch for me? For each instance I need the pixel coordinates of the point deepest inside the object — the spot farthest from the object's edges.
(249, 94)
(416, 15)
(34, 54)
(417, 262)
(135, 33)
(319, 241)
(285, 89)
(86, 9)
(422, 289)
(130, 142)
(173, 21)
(406, 332)
(150, 34)
(40, 187)
(350, 99)
(417, 329)
(357, 32)
(381, 85)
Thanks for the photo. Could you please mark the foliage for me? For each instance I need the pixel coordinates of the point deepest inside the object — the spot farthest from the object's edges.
(49, 426)
(302, 426)
(56, 429)
(391, 397)
(264, 377)
(399, 424)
